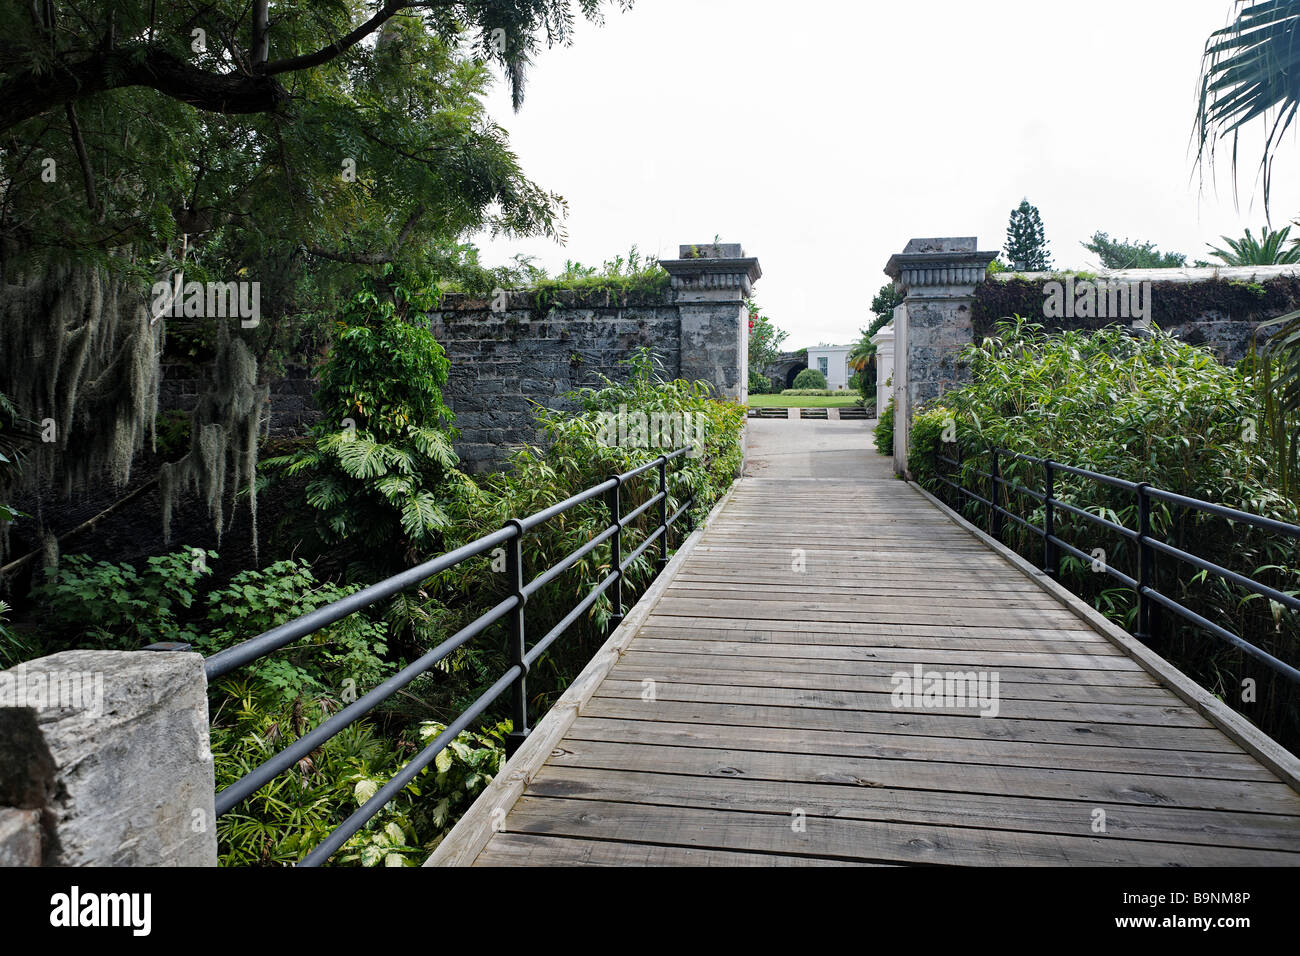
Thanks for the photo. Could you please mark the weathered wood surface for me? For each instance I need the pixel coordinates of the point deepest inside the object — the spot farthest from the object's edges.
(749, 719)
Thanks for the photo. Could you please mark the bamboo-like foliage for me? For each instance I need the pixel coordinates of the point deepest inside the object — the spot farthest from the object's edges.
(1150, 409)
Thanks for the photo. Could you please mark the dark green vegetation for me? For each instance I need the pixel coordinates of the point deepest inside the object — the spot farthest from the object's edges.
(1143, 409)
(1270, 249)
(364, 498)
(810, 378)
(884, 435)
(1026, 249)
(1172, 303)
(340, 157)
(1123, 254)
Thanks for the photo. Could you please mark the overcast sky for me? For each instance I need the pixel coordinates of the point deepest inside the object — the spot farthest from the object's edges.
(824, 134)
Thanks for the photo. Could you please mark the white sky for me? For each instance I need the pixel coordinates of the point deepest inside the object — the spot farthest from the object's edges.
(822, 135)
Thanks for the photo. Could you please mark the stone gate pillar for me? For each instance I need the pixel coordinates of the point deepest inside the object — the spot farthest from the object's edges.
(937, 278)
(710, 285)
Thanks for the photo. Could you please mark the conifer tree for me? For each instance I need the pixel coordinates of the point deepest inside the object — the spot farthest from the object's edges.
(1026, 241)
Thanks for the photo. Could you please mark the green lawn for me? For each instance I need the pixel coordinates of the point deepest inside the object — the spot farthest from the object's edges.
(803, 401)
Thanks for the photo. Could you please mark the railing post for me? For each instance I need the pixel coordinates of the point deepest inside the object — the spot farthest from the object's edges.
(663, 512)
(995, 516)
(519, 691)
(616, 553)
(1051, 553)
(1146, 564)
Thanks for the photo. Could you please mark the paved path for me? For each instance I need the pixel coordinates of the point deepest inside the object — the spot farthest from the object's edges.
(750, 720)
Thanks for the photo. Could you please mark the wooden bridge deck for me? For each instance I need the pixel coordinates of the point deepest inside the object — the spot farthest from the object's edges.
(770, 736)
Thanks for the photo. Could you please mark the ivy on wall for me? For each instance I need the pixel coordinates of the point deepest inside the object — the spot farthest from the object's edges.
(1173, 304)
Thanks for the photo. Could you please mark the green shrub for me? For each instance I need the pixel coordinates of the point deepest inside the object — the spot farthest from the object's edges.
(381, 464)
(925, 442)
(297, 810)
(810, 378)
(818, 392)
(1149, 409)
(114, 606)
(347, 655)
(760, 384)
(885, 430)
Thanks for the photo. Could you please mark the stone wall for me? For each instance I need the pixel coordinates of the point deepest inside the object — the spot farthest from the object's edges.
(950, 301)
(293, 409)
(517, 351)
(1217, 308)
(502, 362)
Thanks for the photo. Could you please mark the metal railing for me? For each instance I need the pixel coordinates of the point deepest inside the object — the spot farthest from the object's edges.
(1146, 595)
(513, 608)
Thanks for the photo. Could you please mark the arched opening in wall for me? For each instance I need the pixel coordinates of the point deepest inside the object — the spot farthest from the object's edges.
(790, 374)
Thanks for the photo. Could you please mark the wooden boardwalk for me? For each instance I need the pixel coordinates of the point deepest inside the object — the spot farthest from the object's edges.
(749, 719)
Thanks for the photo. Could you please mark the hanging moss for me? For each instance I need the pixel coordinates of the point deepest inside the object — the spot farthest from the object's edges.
(80, 358)
(223, 439)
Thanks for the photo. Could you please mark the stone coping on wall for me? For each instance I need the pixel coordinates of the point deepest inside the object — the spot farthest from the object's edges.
(528, 300)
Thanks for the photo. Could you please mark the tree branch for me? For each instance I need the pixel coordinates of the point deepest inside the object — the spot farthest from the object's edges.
(79, 145)
(30, 93)
(331, 50)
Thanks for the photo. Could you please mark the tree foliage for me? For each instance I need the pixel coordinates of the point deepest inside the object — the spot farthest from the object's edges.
(1248, 73)
(764, 339)
(1026, 247)
(381, 463)
(1131, 254)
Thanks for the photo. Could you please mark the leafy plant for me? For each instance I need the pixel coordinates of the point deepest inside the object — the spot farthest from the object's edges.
(884, 436)
(760, 384)
(1126, 254)
(381, 463)
(348, 654)
(114, 605)
(1248, 74)
(1269, 249)
(285, 819)
(764, 339)
(810, 378)
(1145, 409)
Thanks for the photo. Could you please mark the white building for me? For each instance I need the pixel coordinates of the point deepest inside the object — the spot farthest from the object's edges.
(833, 362)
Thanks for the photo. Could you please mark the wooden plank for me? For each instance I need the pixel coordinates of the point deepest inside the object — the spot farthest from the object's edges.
(932, 808)
(906, 657)
(881, 670)
(925, 725)
(858, 839)
(1234, 765)
(535, 849)
(1023, 643)
(1245, 796)
(757, 695)
(869, 631)
(632, 667)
